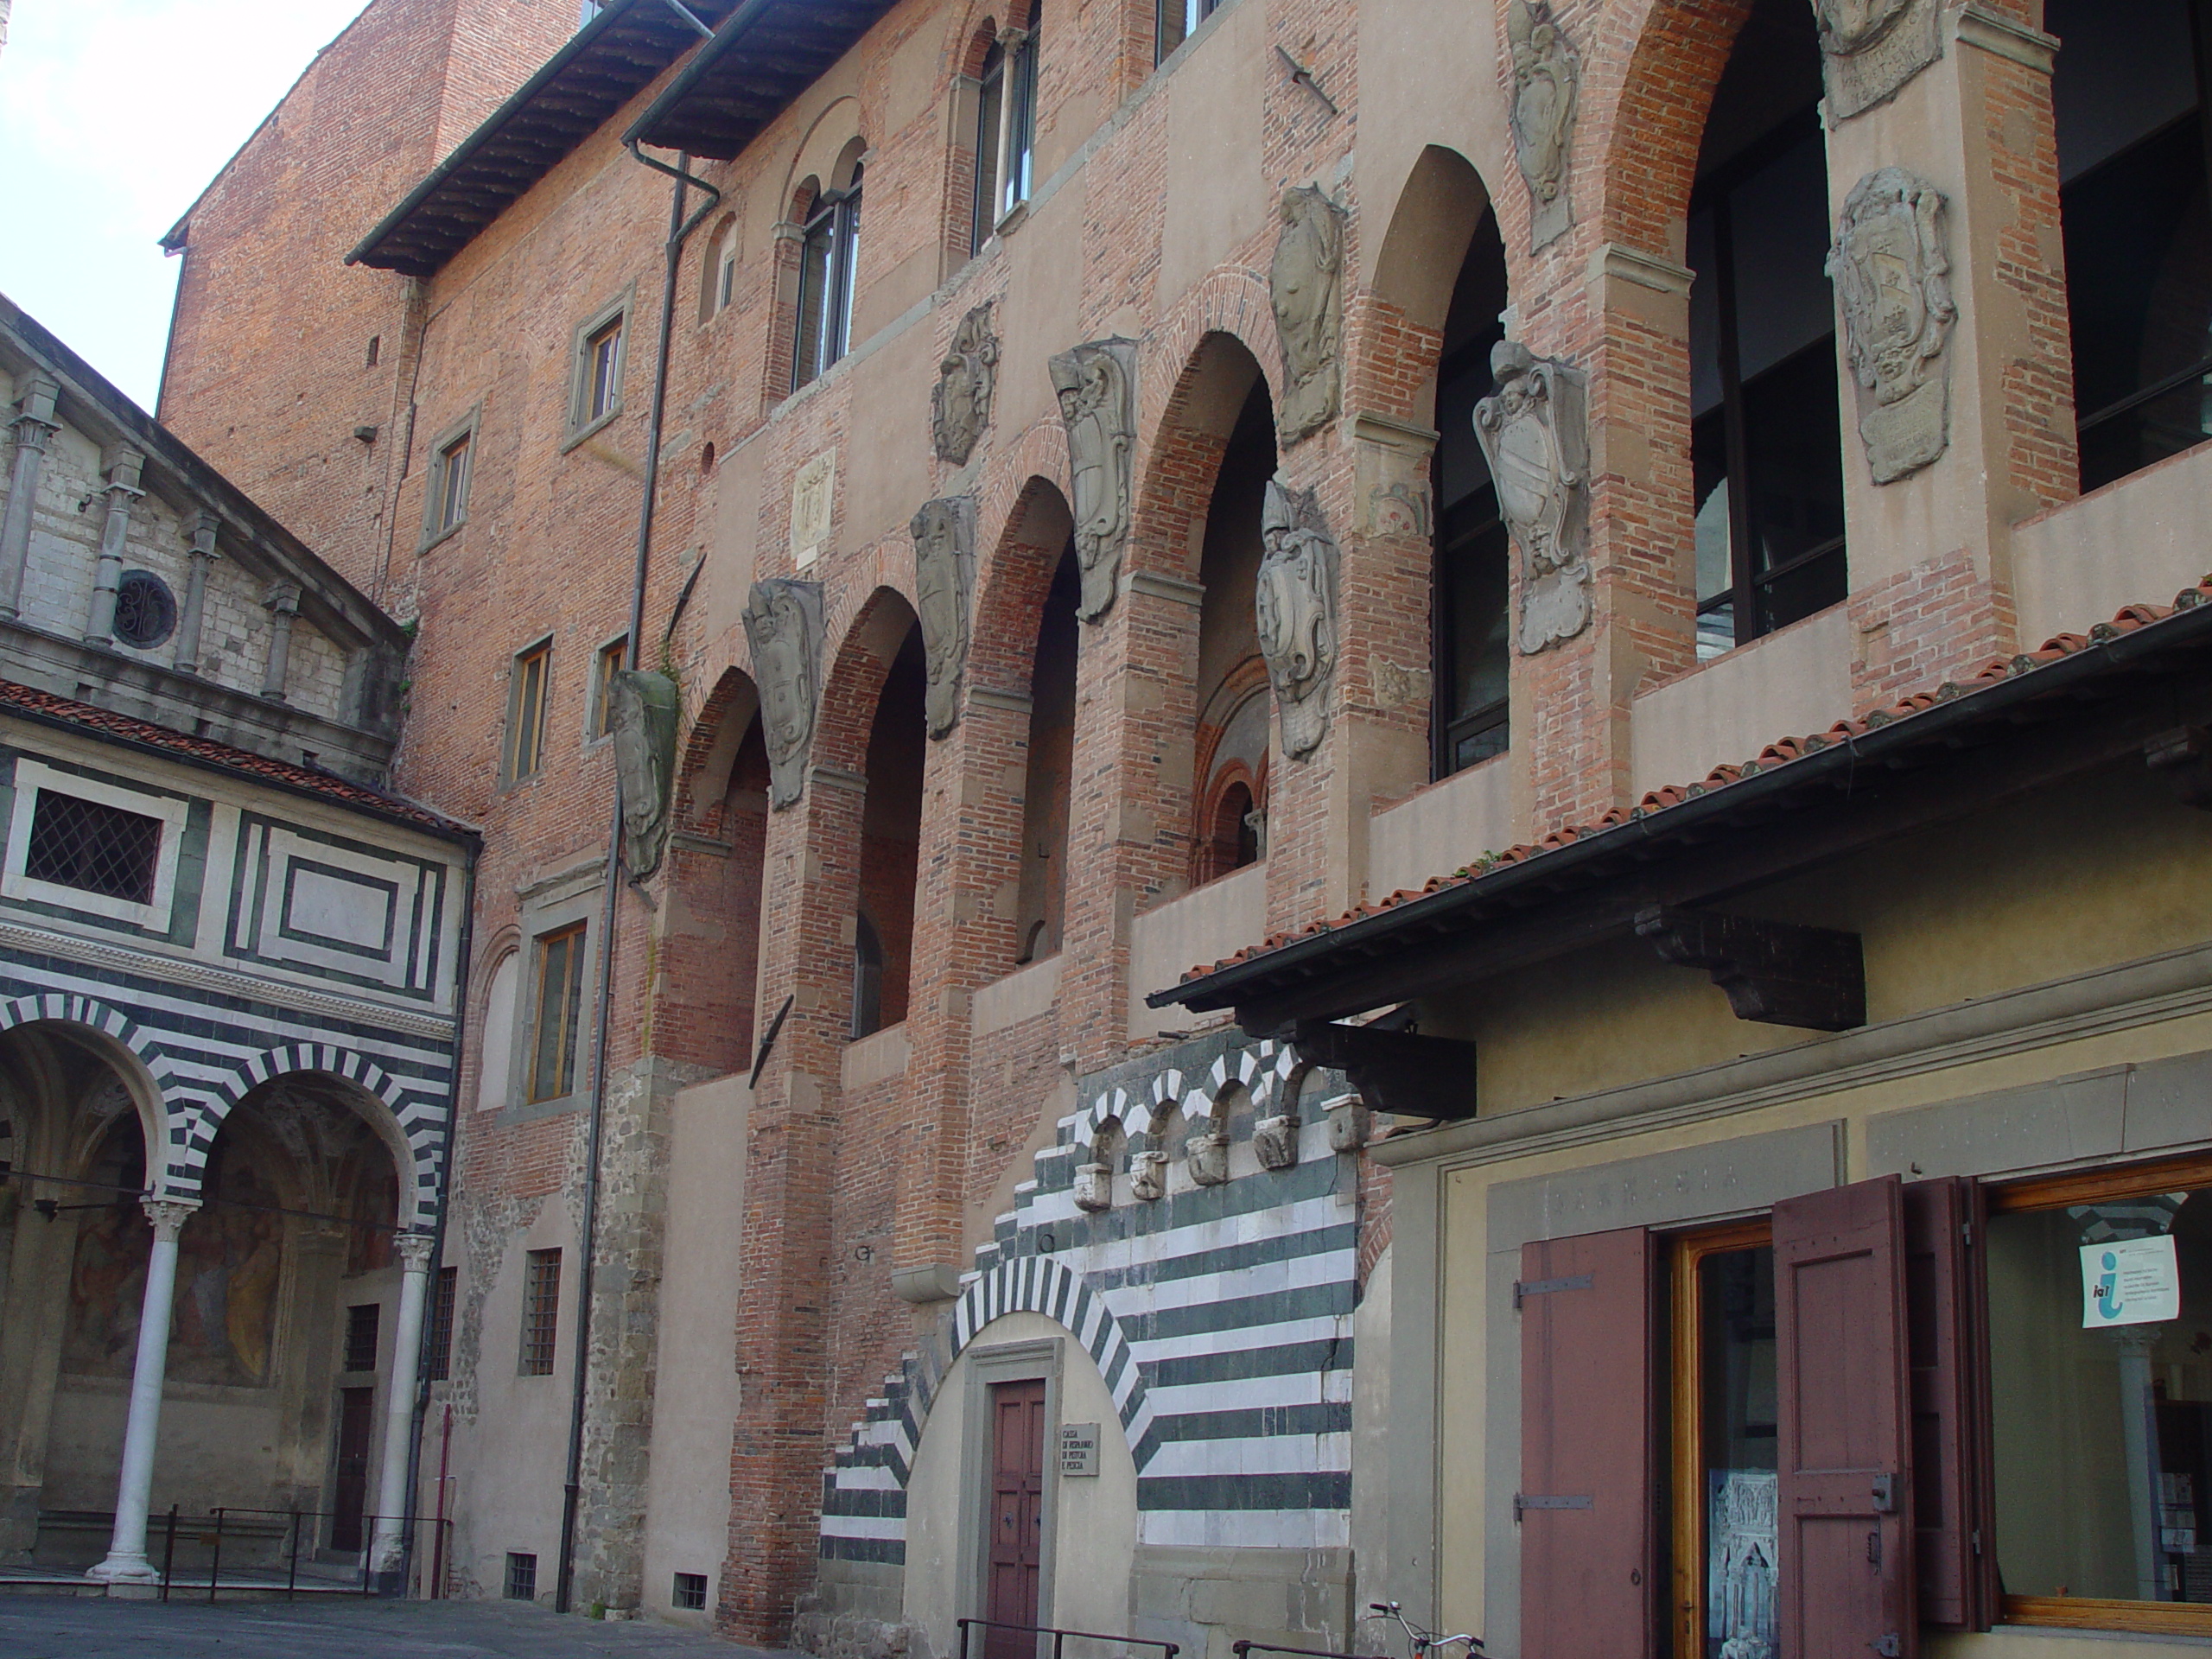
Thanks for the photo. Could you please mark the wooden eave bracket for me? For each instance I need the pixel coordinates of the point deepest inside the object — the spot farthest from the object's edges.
(2183, 758)
(1396, 1071)
(1777, 973)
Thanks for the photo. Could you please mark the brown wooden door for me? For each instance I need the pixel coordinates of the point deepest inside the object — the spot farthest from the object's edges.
(1845, 1500)
(1946, 1326)
(1015, 1547)
(1588, 1542)
(349, 1495)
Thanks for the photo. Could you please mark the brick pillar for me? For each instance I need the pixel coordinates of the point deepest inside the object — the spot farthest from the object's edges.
(1931, 588)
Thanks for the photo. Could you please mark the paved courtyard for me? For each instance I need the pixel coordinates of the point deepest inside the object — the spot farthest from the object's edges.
(66, 1627)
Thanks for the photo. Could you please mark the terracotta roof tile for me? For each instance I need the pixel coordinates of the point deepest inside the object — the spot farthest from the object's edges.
(29, 699)
(1780, 752)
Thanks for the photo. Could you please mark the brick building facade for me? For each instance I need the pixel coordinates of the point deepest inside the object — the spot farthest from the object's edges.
(1773, 333)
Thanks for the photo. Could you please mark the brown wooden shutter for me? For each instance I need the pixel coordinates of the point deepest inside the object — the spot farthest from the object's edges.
(1846, 1495)
(1942, 1241)
(1586, 1504)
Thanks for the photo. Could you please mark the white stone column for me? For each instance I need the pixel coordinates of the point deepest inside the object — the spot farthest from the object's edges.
(126, 1560)
(386, 1541)
(122, 489)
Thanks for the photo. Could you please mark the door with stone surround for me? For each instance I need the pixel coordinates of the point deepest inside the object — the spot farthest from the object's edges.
(350, 1489)
(1014, 1550)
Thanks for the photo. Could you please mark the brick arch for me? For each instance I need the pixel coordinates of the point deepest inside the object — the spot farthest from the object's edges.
(409, 1121)
(710, 748)
(166, 1102)
(1182, 459)
(1649, 85)
(1013, 584)
(857, 655)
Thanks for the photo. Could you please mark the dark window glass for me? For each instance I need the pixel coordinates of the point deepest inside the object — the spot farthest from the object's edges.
(93, 847)
(602, 373)
(441, 1301)
(2128, 94)
(541, 1312)
(452, 482)
(691, 1591)
(827, 254)
(1021, 121)
(522, 1570)
(990, 110)
(1178, 18)
(526, 721)
(145, 610)
(867, 979)
(560, 1001)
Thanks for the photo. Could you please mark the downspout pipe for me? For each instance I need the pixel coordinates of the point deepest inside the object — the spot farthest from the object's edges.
(421, 1405)
(680, 227)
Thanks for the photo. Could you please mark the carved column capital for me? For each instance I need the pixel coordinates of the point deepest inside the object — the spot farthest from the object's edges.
(283, 598)
(33, 418)
(414, 1251)
(204, 527)
(168, 1216)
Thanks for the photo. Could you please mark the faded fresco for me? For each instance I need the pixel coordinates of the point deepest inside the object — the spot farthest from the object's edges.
(230, 1258)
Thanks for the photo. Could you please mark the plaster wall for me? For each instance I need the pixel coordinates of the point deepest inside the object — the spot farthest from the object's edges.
(2135, 542)
(695, 1398)
(1198, 929)
(1789, 683)
(1094, 1519)
(1444, 827)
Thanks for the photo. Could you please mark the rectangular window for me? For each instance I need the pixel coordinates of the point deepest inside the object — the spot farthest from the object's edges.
(527, 712)
(1020, 122)
(522, 1570)
(560, 1001)
(2099, 1292)
(610, 664)
(603, 372)
(361, 1321)
(541, 1312)
(690, 1592)
(1180, 19)
(726, 279)
(93, 847)
(829, 249)
(441, 1300)
(990, 111)
(451, 483)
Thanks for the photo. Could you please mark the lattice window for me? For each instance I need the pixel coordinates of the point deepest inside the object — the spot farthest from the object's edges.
(93, 847)
(522, 1576)
(361, 1322)
(442, 1324)
(541, 1312)
(145, 610)
(691, 1591)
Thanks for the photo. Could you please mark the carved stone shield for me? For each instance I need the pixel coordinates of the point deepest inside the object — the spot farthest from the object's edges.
(1296, 612)
(1547, 88)
(1096, 384)
(1305, 284)
(1871, 48)
(642, 714)
(1535, 434)
(960, 405)
(1891, 269)
(944, 584)
(783, 620)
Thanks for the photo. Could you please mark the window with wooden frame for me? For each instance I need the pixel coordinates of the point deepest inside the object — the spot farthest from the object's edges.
(560, 1004)
(829, 249)
(445, 493)
(1179, 21)
(1773, 1421)
(2099, 1317)
(595, 373)
(1006, 129)
(526, 689)
(541, 1312)
(606, 665)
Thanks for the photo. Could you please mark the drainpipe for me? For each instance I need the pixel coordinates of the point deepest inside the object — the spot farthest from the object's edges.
(679, 231)
(421, 1406)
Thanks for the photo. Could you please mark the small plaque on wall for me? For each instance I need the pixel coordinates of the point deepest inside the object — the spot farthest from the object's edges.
(1078, 1448)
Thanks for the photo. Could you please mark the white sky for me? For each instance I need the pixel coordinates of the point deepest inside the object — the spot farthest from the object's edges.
(114, 114)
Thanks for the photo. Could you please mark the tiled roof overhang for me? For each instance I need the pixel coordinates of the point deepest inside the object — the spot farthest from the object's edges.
(2031, 721)
(762, 57)
(604, 65)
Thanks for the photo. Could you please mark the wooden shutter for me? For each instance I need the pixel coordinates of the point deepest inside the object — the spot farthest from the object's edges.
(1586, 1503)
(1942, 1241)
(1846, 1499)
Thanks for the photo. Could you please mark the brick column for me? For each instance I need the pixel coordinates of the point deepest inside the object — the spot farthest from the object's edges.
(1931, 588)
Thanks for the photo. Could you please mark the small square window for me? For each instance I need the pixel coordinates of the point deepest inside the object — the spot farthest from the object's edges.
(560, 1001)
(610, 662)
(526, 711)
(93, 847)
(451, 483)
(691, 1593)
(361, 1322)
(541, 1312)
(522, 1576)
(441, 1302)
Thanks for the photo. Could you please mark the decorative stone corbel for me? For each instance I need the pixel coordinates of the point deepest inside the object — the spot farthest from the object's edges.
(1350, 1124)
(1274, 1140)
(1094, 1187)
(932, 1281)
(1206, 1156)
(1149, 1176)
(1777, 973)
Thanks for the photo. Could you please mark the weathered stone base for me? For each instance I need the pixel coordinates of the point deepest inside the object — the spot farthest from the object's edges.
(1203, 1599)
(854, 1613)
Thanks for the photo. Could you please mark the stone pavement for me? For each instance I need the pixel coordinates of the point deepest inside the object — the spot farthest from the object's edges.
(68, 1627)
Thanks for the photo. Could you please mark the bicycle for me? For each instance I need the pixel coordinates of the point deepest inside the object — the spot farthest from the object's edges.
(1425, 1643)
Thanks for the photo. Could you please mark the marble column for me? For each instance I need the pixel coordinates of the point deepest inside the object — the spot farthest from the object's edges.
(194, 614)
(34, 424)
(282, 602)
(387, 1541)
(107, 574)
(126, 1560)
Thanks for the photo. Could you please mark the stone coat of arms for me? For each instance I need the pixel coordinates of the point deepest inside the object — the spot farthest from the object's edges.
(1872, 48)
(1096, 384)
(1547, 87)
(960, 404)
(945, 586)
(1892, 276)
(1534, 433)
(783, 620)
(1305, 284)
(1296, 612)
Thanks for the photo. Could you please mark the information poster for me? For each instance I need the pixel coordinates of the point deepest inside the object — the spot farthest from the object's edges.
(2130, 1281)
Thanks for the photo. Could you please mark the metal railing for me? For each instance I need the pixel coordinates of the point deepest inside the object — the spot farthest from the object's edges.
(1169, 1649)
(1242, 1647)
(282, 1536)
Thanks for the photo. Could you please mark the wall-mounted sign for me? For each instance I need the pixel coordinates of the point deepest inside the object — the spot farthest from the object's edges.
(2130, 1281)
(1078, 1448)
